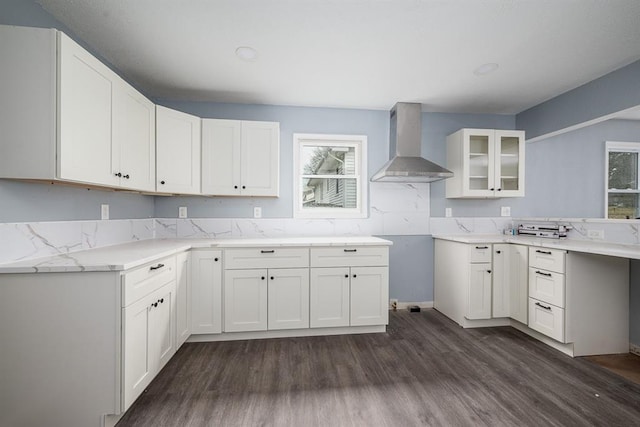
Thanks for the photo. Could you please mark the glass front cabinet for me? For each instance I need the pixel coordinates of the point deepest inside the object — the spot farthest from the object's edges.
(485, 163)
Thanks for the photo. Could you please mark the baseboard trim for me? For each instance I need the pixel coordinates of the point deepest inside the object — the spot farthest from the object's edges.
(635, 349)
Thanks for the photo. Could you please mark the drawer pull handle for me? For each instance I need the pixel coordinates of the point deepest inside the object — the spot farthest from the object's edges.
(351, 250)
(482, 247)
(161, 300)
(543, 306)
(543, 252)
(156, 267)
(155, 304)
(267, 252)
(543, 274)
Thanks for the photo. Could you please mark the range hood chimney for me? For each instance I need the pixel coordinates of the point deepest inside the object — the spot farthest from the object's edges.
(405, 140)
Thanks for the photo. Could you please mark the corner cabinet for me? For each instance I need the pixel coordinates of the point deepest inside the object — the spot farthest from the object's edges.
(486, 163)
(177, 152)
(66, 116)
(240, 158)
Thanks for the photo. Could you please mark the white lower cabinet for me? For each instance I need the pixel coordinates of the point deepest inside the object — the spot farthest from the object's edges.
(479, 292)
(148, 325)
(183, 298)
(329, 299)
(510, 281)
(547, 319)
(261, 299)
(206, 291)
(369, 296)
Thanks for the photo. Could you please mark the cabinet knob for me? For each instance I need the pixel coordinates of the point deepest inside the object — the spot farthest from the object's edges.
(262, 277)
(498, 252)
(118, 174)
(162, 182)
(215, 259)
(271, 277)
(235, 186)
(243, 187)
(346, 275)
(499, 189)
(492, 189)
(354, 276)
(489, 271)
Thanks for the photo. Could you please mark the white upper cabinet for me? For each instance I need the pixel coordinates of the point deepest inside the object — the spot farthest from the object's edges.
(240, 158)
(485, 163)
(133, 155)
(85, 124)
(177, 152)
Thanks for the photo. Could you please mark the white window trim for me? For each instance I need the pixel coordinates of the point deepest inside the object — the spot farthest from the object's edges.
(616, 146)
(360, 143)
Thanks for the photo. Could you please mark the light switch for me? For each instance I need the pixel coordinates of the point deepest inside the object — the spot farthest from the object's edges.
(257, 212)
(447, 212)
(104, 211)
(505, 211)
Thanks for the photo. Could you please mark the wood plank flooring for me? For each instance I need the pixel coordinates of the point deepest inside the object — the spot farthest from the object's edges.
(425, 370)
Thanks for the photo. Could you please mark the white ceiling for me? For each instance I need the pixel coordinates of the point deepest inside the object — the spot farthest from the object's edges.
(359, 53)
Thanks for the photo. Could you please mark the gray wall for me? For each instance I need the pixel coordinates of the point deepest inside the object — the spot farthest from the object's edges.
(606, 95)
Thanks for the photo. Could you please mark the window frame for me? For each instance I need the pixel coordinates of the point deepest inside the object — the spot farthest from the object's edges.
(359, 142)
(617, 146)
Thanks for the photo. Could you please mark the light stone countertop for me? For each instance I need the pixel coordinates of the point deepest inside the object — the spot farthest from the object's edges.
(130, 255)
(587, 246)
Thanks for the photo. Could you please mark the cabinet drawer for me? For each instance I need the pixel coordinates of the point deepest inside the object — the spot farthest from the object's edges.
(350, 256)
(547, 259)
(480, 253)
(266, 258)
(143, 280)
(546, 286)
(546, 319)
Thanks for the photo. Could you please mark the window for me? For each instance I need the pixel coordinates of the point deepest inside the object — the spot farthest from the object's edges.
(330, 176)
(622, 195)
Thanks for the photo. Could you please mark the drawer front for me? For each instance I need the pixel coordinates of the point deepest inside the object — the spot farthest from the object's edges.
(350, 256)
(266, 258)
(480, 253)
(546, 319)
(141, 281)
(547, 259)
(546, 286)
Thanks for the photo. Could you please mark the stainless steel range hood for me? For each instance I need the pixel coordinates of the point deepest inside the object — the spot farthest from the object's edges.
(405, 139)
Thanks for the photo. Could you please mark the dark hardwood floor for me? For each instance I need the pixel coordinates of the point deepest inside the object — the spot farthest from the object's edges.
(424, 371)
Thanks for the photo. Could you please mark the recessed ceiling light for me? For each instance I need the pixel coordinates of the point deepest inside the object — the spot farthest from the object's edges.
(247, 53)
(485, 69)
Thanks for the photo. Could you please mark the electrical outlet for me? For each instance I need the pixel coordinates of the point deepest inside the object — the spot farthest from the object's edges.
(257, 212)
(505, 211)
(182, 212)
(595, 234)
(447, 212)
(104, 211)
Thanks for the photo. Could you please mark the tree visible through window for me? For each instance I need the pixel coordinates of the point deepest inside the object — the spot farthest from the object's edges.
(622, 198)
(328, 176)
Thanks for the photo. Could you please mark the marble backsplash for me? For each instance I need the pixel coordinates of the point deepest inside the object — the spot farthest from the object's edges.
(39, 239)
(33, 240)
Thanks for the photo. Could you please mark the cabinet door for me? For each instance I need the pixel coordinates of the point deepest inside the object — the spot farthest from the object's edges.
(501, 280)
(519, 283)
(260, 158)
(133, 155)
(162, 328)
(137, 368)
(479, 295)
(206, 286)
(177, 152)
(221, 141)
(183, 298)
(329, 297)
(509, 161)
(369, 296)
(478, 162)
(245, 300)
(84, 116)
(288, 298)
